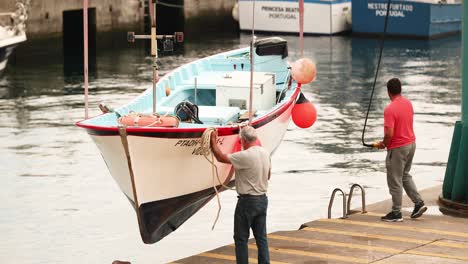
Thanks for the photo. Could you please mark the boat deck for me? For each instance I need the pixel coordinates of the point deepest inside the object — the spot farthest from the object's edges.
(363, 238)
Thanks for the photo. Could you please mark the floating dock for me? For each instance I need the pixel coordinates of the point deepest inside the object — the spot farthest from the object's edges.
(364, 238)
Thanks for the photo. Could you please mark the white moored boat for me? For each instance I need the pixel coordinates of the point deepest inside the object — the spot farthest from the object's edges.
(322, 17)
(8, 42)
(162, 164)
(11, 33)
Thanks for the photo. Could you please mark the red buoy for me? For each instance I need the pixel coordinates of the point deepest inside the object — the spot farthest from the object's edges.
(304, 113)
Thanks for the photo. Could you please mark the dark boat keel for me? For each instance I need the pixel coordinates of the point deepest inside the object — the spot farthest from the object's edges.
(160, 218)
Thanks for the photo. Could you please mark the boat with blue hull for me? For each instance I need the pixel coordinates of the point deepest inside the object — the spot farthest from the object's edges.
(321, 17)
(426, 19)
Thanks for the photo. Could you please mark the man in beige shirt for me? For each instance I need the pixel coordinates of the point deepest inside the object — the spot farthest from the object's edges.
(252, 167)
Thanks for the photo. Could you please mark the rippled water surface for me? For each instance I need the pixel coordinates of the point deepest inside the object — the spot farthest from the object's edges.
(60, 205)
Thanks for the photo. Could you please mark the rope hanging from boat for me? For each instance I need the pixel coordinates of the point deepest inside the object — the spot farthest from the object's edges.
(206, 151)
(252, 63)
(124, 140)
(301, 27)
(376, 75)
(85, 45)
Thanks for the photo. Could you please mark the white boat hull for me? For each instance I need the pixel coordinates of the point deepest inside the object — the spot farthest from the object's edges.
(7, 45)
(172, 180)
(157, 162)
(320, 17)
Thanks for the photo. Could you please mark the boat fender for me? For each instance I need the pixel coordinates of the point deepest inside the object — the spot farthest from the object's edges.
(303, 71)
(304, 113)
(168, 90)
(148, 120)
(349, 17)
(235, 12)
(187, 111)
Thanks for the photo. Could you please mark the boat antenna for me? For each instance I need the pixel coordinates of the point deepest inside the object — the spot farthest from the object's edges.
(382, 40)
(301, 27)
(85, 44)
(252, 63)
(154, 51)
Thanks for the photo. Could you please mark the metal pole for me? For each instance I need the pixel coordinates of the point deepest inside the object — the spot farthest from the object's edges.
(195, 90)
(252, 63)
(454, 199)
(465, 64)
(154, 51)
(301, 27)
(460, 180)
(85, 38)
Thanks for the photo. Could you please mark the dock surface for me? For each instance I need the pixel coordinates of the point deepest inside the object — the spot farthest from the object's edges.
(364, 238)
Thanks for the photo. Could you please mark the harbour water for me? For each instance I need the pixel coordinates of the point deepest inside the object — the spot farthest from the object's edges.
(60, 205)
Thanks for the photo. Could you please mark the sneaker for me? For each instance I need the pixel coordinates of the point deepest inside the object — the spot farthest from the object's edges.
(392, 217)
(419, 210)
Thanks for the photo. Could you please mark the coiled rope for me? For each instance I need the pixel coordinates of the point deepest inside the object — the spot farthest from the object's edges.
(206, 151)
(376, 75)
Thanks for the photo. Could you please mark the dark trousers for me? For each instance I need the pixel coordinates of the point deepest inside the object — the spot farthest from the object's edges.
(251, 212)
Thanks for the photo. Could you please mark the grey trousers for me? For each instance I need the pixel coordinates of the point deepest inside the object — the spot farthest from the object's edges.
(398, 163)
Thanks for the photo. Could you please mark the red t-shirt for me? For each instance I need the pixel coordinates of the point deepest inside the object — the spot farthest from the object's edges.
(399, 116)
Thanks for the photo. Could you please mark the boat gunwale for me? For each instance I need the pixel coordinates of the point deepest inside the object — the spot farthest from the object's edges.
(185, 131)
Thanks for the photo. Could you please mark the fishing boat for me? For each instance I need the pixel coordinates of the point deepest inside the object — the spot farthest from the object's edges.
(12, 32)
(156, 147)
(172, 178)
(425, 19)
(321, 17)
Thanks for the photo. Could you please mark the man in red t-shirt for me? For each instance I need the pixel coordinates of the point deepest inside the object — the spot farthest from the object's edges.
(400, 142)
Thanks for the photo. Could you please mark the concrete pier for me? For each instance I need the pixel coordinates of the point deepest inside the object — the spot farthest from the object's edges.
(46, 17)
(364, 238)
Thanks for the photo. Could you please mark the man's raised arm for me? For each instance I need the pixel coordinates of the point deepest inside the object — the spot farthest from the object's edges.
(219, 155)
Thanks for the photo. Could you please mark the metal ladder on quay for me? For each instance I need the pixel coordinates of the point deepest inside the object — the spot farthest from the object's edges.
(347, 205)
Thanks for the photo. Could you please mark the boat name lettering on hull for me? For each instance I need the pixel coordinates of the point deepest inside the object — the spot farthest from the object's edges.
(187, 143)
(392, 13)
(279, 12)
(199, 150)
(396, 10)
(282, 16)
(195, 144)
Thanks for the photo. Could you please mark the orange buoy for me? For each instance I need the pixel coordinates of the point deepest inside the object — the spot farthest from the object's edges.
(168, 90)
(303, 71)
(148, 120)
(304, 113)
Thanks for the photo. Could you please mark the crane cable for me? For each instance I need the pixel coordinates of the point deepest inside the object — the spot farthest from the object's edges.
(376, 75)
